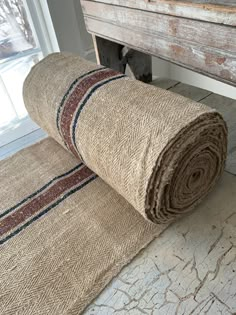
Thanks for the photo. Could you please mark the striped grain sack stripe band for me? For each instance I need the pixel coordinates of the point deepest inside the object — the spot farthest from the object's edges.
(34, 206)
(76, 98)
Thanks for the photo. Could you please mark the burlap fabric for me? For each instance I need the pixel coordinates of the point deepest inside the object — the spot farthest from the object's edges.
(160, 151)
(64, 231)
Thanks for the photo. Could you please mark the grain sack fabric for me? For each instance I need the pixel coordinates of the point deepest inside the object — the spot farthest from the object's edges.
(64, 232)
(123, 160)
(158, 150)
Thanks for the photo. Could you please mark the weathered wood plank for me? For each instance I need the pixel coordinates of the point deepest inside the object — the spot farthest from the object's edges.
(231, 162)
(164, 83)
(203, 47)
(204, 3)
(222, 12)
(191, 92)
(227, 107)
(213, 36)
(20, 143)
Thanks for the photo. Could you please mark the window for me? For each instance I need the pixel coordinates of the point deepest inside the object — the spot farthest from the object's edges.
(26, 35)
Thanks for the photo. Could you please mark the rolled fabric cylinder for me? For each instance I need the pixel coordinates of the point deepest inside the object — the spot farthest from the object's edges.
(162, 152)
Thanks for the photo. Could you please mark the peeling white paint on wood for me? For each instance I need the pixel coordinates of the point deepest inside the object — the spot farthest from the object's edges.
(208, 48)
(219, 11)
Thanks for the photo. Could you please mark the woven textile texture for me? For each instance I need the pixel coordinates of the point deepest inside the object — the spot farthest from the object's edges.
(123, 160)
(158, 150)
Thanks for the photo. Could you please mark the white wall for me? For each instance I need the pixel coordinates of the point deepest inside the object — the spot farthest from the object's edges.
(166, 69)
(67, 19)
(196, 79)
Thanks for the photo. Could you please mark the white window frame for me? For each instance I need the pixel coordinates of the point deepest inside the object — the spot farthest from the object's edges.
(42, 27)
(41, 22)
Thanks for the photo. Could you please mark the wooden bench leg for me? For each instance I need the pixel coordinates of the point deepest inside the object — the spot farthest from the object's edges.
(116, 56)
(109, 54)
(140, 64)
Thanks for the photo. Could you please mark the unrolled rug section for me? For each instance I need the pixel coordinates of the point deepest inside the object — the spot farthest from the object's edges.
(65, 233)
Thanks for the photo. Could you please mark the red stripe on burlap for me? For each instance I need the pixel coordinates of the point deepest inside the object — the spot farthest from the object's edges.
(73, 103)
(41, 201)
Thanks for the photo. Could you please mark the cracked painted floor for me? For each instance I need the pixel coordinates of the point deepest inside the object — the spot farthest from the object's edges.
(190, 269)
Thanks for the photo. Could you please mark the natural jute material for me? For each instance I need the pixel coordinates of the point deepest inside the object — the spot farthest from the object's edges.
(70, 209)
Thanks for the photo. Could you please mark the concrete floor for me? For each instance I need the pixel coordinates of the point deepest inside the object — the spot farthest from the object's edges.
(189, 270)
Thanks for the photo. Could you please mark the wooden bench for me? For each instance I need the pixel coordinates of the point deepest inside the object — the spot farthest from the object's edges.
(199, 35)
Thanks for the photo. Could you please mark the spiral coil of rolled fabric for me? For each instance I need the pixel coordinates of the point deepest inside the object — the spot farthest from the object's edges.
(160, 151)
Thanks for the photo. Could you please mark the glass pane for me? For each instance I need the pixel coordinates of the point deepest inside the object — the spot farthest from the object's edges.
(13, 77)
(16, 34)
(19, 51)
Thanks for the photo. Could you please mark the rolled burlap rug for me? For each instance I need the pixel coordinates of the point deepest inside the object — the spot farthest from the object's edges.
(160, 151)
(64, 231)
